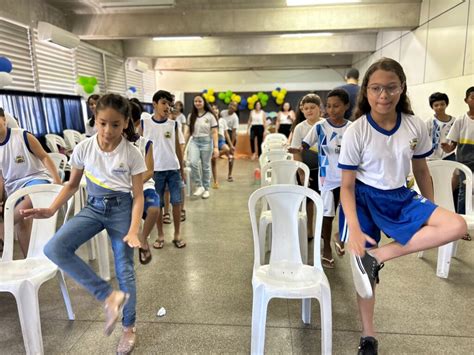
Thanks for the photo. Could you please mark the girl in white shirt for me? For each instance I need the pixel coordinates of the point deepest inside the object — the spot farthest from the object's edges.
(90, 128)
(285, 118)
(113, 168)
(256, 126)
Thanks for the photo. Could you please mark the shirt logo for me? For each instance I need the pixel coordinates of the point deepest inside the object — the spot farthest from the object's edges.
(120, 169)
(206, 120)
(19, 159)
(413, 143)
(167, 134)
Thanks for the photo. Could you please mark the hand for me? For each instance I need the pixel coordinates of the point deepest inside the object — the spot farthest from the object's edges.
(293, 150)
(132, 240)
(357, 241)
(447, 147)
(182, 175)
(215, 153)
(232, 150)
(38, 213)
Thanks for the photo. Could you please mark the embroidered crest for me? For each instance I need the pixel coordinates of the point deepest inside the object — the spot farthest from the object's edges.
(19, 159)
(413, 143)
(167, 134)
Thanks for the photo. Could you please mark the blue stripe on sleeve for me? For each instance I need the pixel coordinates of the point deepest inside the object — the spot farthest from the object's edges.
(347, 167)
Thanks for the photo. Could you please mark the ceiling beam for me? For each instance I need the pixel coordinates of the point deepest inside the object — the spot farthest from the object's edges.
(373, 17)
(244, 46)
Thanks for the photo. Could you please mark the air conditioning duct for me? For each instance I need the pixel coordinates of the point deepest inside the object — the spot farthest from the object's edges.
(137, 65)
(55, 35)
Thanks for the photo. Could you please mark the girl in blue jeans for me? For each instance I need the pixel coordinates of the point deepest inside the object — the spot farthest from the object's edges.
(113, 168)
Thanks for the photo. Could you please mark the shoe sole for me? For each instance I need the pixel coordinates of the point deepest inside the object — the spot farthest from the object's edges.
(361, 280)
(108, 330)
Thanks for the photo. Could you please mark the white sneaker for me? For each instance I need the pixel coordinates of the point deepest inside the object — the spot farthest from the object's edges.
(199, 191)
(205, 194)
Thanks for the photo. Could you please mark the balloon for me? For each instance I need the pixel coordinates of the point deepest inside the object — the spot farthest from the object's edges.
(264, 103)
(237, 98)
(221, 96)
(278, 89)
(242, 107)
(88, 88)
(260, 95)
(5, 79)
(279, 101)
(274, 93)
(93, 81)
(243, 101)
(82, 80)
(210, 91)
(251, 106)
(227, 100)
(281, 96)
(211, 98)
(133, 89)
(265, 97)
(80, 91)
(5, 65)
(228, 93)
(254, 97)
(283, 91)
(204, 91)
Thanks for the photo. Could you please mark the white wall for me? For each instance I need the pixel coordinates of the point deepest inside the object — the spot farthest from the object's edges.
(437, 56)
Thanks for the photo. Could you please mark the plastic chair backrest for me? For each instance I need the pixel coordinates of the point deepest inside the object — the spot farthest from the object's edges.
(285, 202)
(275, 137)
(71, 138)
(272, 146)
(59, 160)
(441, 173)
(267, 157)
(42, 229)
(285, 171)
(53, 141)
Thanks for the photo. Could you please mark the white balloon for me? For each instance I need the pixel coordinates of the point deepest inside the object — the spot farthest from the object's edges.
(80, 91)
(96, 90)
(5, 79)
(130, 94)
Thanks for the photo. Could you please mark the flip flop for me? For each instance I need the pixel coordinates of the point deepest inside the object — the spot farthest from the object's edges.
(230, 179)
(327, 263)
(183, 215)
(179, 243)
(467, 237)
(158, 244)
(340, 251)
(166, 218)
(144, 256)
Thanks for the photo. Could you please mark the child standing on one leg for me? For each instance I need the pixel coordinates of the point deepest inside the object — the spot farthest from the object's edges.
(168, 162)
(375, 157)
(113, 168)
(327, 135)
(151, 206)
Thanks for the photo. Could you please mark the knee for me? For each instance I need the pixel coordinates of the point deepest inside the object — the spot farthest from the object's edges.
(152, 212)
(51, 250)
(459, 226)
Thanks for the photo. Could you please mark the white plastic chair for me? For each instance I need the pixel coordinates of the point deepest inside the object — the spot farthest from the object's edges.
(187, 167)
(441, 172)
(275, 137)
(53, 141)
(268, 156)
(23, 278)
(71, 138)
(286, 276)
(284, 172)
(61, 162)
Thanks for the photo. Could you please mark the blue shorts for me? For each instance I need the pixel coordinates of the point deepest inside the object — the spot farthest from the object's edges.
(399, 213)
(171, 179)
(32, 183)
(221, 143)
(151, 200)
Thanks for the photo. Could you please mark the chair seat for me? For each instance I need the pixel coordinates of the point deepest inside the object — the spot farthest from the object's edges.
(17, 271)
(297, 279)
(469, 218)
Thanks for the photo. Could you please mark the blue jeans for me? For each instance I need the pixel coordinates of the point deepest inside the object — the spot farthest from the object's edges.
(200, 149)
(114, 215)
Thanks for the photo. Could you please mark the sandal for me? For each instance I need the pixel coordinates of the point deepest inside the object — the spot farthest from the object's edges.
(183, 215)
(144, 256)
(167, 218)
(159, 244)
(340, 251)
(467, 237)
(179, 243)
(230, 179)
(327, 263)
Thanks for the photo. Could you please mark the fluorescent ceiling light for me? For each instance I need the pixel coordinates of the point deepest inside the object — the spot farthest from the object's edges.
(136, 4)
(301, 35)
(183, 38)
(318, 2)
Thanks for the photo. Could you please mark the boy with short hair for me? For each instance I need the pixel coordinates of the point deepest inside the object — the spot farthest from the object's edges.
(439, 126)
(168, 161)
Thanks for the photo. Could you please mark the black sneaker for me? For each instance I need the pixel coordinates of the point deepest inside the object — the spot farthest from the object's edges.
(368, 346)
(372, 267)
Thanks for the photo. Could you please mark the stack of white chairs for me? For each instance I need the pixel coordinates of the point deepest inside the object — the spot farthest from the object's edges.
(284, 172)
(187, 168)
(23, 278)
(441, 173)
(61, 162)
(53, 141)
(286, 275)
(72, 138)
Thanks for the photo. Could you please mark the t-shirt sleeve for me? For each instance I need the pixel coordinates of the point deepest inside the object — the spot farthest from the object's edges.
(296, 139)
(424, 148)
(137, 163)
(181, 137)
(454, 132)
(77, 157)
(311, 138)
(236, 121)
(351, 153)
(213, 121)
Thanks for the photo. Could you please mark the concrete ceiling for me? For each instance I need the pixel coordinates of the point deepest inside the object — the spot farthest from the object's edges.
(241, 34)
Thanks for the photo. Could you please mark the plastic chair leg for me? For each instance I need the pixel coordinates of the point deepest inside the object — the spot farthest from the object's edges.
(326, 320)
(420, 254)
(187, 171)
(65, 292)
(303, 237)
(444, 260)
(262, 231)
(28, 312)
(104, 262)
(455, 248)
(306, 310)
(91, 250)
(259, 319)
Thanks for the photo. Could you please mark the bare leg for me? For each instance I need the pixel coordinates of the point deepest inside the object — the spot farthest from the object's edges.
(23, 226)
(231, 166)
(310, 216)
(177, 220)
(167, 202)
(159, 225)
(366, 311)
(150, 220)
(326, 232)
(214, 170)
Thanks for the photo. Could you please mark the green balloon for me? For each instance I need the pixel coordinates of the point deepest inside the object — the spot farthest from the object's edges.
(227, 100)
(82, 80)
(228, 93)
(264, 97)
(88, 88)
(92, 80)
(221, 95)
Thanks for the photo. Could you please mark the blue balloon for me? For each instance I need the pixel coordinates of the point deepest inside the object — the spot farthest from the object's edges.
(132, 89)
(204, 91)
(242, 107)
(5, 65)
(243, 102)
(278, 89)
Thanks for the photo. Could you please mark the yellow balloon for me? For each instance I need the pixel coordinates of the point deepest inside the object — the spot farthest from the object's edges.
(281, 96)
(251, 106)
(254, 97)
(211, 99)
(283, 91)
(274, 93)
(279, 101)
(237, 98)
(210, 92)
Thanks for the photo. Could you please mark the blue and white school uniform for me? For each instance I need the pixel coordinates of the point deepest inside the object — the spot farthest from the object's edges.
(438, 132)
(19, 166)
(382, 160)
(109, 207)
(328, 138)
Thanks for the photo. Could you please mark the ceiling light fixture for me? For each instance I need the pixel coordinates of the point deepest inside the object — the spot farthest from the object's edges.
(318, 2)
(302, 35)
(182, 38)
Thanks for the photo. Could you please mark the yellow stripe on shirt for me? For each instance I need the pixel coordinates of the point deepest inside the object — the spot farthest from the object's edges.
(95, 180)
(466, 141)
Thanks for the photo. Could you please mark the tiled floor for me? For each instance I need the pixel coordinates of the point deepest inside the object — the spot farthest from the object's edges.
(206, 290)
